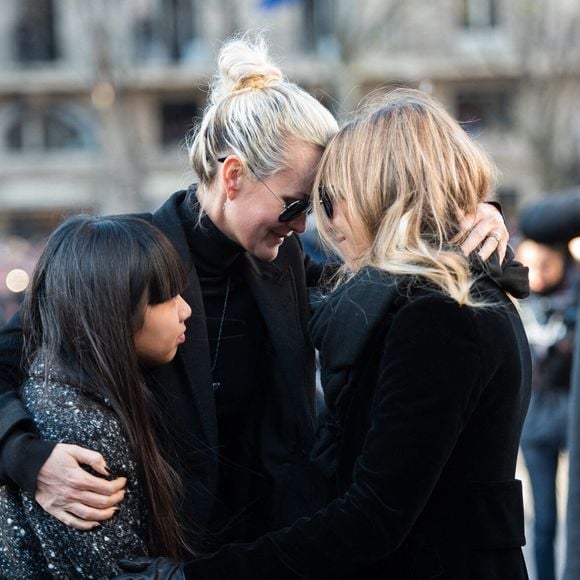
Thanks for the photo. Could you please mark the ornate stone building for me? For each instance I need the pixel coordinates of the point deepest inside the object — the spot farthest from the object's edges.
(96, 97)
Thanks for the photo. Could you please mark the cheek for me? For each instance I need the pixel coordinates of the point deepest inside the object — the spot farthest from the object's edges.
(254, 227)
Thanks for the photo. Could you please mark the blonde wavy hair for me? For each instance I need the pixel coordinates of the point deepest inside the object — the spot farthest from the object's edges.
(406, 171)
(254, 112)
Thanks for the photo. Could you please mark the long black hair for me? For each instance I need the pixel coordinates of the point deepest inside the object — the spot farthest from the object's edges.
(86, 300)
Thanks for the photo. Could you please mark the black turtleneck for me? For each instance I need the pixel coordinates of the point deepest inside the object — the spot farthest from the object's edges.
(236, 351)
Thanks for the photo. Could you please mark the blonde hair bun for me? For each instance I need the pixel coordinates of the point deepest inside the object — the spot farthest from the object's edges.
(244, 64)
(254, 111)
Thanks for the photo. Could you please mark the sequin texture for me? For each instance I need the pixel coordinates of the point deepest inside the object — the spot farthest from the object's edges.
(34, 544)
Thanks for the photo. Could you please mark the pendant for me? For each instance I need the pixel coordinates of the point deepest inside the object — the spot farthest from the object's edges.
(216, 386)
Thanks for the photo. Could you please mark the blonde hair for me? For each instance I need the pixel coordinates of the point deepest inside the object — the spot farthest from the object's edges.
(254, 112)
(406, 171)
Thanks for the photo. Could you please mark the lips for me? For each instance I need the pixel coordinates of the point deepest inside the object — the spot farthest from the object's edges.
(279, 238)
(281, 235)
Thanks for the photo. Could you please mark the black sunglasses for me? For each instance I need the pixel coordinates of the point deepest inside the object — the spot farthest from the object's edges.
(291, 210)
(325, 201)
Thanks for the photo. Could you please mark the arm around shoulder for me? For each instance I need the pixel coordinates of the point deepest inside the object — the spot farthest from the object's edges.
(22, 454)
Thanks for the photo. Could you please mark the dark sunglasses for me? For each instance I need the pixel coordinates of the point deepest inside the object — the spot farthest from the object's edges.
(325, 201)
(291, 210)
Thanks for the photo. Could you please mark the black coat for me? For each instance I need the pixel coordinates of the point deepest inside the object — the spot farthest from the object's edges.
(426, 403)
(185, 394)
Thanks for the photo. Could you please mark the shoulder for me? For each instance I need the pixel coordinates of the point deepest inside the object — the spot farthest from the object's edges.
(432, 320)
(423, 311)
(174, 209)
(66, 414)
(175, 218)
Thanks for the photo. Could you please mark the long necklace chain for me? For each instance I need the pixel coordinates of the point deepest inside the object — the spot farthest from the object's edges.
(216, 385)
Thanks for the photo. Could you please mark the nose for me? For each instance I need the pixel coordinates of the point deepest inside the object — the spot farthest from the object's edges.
(183, 308)
(298, 224)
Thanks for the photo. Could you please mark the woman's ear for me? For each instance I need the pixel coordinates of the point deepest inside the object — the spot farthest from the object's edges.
(232, 173)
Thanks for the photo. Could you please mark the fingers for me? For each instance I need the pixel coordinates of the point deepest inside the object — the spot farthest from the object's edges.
(62, 469)
(83, 510)
(77, 498)
(88, 457)
(91, 515)
(73, 521)
(477, 235)
(79, 480)
(487, 234)
(486, 229)
(502, 247)
(97, 501)
(491, 243)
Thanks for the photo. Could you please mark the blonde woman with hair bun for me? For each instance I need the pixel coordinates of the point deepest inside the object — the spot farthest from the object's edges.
(236, 407)
(425, 369)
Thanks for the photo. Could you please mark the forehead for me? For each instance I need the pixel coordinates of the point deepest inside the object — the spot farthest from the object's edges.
(301, 163)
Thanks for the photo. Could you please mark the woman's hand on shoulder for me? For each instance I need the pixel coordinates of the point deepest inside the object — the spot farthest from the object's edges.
(486, 229)
(71, 494)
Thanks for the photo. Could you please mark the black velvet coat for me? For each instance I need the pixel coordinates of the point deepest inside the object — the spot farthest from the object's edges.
(426, 401)
(282, 424)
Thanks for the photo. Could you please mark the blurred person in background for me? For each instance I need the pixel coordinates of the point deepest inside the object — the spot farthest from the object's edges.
(425, 369)
(241, 390)
(556, 220)
(103, 307)
(549, 317)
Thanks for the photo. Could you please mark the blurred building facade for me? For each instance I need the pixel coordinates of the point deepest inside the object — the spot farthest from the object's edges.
(97, 97)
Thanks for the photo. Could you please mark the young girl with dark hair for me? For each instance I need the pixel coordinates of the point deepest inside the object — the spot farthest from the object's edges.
(103, 306)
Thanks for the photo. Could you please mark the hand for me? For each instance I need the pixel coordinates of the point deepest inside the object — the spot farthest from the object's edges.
(151, 569)
(73, 496)
(487, 228)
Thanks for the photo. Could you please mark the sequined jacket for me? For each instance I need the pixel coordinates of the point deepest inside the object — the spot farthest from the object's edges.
(33, 544)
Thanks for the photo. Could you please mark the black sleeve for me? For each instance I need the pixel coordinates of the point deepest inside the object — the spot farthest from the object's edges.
(552, 220)
(419, 413)
(22, 454)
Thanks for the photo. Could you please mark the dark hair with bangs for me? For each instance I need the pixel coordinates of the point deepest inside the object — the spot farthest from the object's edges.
(87, 298)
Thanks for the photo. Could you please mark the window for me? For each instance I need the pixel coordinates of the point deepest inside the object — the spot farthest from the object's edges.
(319, 25)
(49, 129)
(34, 33)
(166, 30)
(177, 119)
(478, 110)
(478, 14)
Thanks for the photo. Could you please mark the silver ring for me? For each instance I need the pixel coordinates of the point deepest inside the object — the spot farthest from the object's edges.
(495, 236)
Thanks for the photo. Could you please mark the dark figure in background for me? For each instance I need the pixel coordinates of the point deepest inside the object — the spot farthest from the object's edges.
(549, 317)
(557, 220)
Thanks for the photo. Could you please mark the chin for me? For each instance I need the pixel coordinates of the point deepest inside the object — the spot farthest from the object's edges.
(266, 254)
(270, 257)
